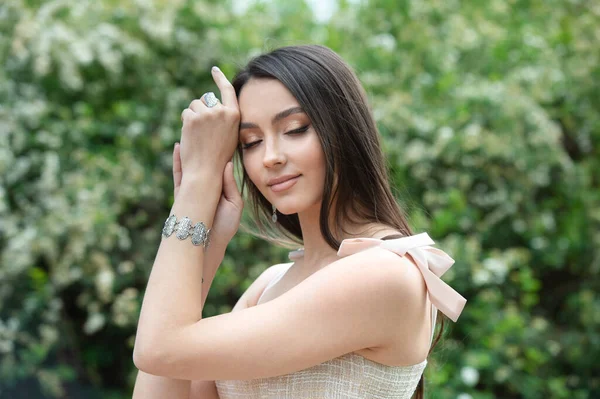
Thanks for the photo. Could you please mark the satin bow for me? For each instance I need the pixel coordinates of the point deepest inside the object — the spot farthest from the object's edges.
(432, 263)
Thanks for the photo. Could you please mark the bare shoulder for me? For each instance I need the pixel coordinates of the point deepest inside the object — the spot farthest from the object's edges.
(386, 280)
(379, 265)
(397, 274)
(406, 281)
(409, 325)
(251, 295)
(405, 274)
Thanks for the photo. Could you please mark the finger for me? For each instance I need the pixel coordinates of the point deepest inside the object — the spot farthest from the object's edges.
(198, 105)
(230, 188)
(187, 114)
(177, 172)
(228, 97)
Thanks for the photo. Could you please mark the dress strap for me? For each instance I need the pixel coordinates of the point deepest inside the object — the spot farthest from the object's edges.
(275, 280)
(431, 262)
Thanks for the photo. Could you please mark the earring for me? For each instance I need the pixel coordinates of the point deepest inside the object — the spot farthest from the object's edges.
(274, 216)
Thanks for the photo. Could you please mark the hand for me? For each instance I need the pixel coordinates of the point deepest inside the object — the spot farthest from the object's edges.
(229, 211)
(209, 136)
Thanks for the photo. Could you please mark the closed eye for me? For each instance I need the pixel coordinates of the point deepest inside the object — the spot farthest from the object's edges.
(295, 131)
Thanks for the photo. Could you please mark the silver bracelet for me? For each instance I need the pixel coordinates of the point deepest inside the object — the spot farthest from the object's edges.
(184, 229)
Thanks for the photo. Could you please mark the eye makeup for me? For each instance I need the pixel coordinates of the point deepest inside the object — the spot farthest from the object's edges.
(292, 132)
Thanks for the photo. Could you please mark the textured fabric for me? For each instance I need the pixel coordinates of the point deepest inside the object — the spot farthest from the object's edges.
(352, 376)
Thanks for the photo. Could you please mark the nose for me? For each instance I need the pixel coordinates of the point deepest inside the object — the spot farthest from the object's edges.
(273, 154)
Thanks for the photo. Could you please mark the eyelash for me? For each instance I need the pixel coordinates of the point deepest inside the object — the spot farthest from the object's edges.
(295, 131)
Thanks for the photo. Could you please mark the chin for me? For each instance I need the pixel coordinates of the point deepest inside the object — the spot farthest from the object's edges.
(287, 206)
(288, 210)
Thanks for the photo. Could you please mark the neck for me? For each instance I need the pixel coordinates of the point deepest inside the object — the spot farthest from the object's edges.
(317, 253)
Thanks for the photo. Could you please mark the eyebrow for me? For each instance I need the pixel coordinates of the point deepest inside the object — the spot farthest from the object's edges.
(281, 115)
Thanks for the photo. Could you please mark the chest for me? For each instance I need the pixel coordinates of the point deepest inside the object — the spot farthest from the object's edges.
(285, 281)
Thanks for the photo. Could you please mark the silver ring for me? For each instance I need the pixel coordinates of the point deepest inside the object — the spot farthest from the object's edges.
(210, 99)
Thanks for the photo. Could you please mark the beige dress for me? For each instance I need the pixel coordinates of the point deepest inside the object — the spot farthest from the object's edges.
(352, 376)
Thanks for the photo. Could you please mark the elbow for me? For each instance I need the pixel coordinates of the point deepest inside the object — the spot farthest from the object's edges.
(157, 355)
(148, 357)
(137, 360)
(150, 363)
(141, 360)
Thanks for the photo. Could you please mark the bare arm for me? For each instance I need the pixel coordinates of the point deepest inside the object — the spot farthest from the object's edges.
(207, 389)
(240, 345)
(148, 386)
(173, 298)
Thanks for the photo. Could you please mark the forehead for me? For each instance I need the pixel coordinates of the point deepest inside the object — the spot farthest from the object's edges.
(261, 99)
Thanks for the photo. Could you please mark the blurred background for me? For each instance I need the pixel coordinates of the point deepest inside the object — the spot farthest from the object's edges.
(490, 117)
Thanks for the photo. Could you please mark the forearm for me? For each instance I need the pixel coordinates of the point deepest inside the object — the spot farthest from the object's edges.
(173, 296)
(148, 386)
(213, 259)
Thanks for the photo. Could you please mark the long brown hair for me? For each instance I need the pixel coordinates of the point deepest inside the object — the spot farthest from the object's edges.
(357, 183)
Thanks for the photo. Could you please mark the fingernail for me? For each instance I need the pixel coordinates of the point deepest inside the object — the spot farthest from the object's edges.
(215, 69)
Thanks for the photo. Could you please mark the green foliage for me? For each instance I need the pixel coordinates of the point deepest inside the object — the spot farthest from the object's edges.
(490, 117)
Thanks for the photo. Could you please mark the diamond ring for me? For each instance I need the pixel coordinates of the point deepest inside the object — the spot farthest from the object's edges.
(210, 99)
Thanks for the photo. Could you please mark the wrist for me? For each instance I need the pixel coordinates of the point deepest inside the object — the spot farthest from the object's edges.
(214, 256)
(197, 199)
(204, 178)
(217, 245)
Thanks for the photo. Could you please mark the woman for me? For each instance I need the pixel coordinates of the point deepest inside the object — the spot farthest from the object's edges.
(353, 315)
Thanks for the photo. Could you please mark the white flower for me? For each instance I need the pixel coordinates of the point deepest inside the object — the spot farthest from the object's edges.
(422, 124)
(497, 268)
(534, 40)
(384, 41)
(554, 347)
(481, 277)
(519, 225)
(473, 130)
(446, 132)
(126, 267)
(94, 323)
(81, 51)
(548, 221)
(415, 151)
(49, 334)
(502, 373)
(104, 283)
(539, 243)
(6, 346)
(469, 375)
(135, 129)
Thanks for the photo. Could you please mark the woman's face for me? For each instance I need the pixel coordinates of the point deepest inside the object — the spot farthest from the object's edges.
(277, 143)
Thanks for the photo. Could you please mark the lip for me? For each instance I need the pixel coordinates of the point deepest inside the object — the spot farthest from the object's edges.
(285, 184)
(280, 179)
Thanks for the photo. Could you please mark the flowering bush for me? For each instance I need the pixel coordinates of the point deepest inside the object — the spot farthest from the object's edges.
(489, 114)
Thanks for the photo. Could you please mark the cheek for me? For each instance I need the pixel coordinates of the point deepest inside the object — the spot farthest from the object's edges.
(249, 167)
(314, 154)
(312, 158)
